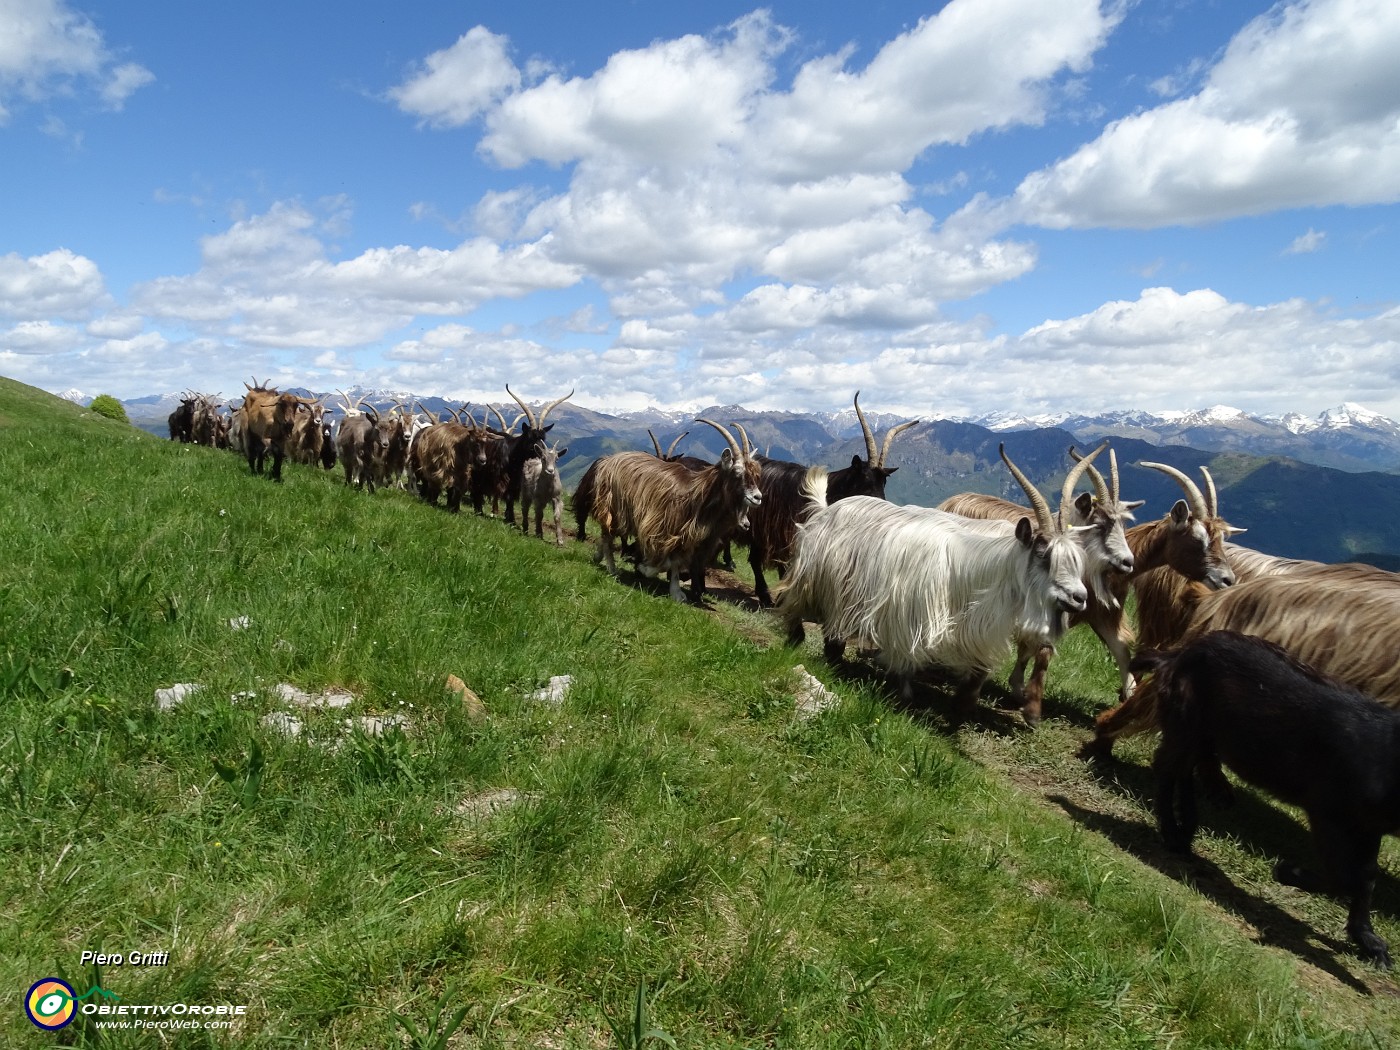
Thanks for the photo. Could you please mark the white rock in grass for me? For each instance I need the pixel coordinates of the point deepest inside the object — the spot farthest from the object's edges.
(171, 697)
(812, 696)
(282, 723)
(334, 698)
(376, 725)
(239, 623)
(555, 692)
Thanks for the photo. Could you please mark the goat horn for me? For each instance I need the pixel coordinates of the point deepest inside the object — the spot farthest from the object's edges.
(1038, 504)
(672, 450)
(544, 412)
(505, 427)
(655, 444)
(744, 434)
(528, 414)
(889, 439)
(1194, 499)
(870, 454)
(1072, 479)
(1211, 504)
(728, 437)
(1101, 488)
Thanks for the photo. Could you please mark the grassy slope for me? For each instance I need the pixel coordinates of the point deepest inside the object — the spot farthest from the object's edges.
(867, 878)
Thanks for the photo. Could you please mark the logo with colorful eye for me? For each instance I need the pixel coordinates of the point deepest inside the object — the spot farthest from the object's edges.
(49, 1003)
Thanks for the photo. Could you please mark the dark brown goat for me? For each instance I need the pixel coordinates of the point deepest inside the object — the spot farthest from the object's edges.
(441, 459)
(773, 524)
(356, 440)
(1309, 740)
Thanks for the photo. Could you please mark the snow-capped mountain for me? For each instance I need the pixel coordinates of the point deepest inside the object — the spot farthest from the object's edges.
(1348, 437)
(77, 397)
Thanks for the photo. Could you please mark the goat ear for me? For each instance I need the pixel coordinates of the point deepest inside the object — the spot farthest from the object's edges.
(1133, 505)
(856, 462)
(726, 459)
(1180, 514)
(547, 429)
(885, 472)
(562, 451)
(1084, 503)
(1024, 532)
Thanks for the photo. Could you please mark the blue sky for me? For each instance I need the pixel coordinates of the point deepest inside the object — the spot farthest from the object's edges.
(988, 205)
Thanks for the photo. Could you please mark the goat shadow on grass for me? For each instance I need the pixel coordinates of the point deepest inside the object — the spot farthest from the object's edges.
(726, 593)
(932, 705)
(1273, 925)
(1252, 819)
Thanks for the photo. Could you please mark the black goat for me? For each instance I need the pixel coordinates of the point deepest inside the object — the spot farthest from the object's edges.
(490, 477)
(773, 524)
(1307, 739)
(181, 421)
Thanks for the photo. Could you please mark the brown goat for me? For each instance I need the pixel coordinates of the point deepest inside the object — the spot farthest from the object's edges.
(266, 416)
(442, 458)
(679, 517)
(308, 434)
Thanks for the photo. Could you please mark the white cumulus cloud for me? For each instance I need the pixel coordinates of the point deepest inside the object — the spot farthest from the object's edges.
(46, 48)
(1303, 109)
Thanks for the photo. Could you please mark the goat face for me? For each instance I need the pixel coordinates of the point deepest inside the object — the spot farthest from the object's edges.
(1104, 540)
(1057, 566)
(1197, 548)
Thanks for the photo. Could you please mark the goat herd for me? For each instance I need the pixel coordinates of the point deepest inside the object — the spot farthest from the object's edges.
(1286, 671)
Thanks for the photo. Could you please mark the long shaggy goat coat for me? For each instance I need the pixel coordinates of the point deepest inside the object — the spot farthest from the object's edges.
(924, 589)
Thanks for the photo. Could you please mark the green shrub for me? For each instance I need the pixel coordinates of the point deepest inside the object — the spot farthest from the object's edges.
(107, 405)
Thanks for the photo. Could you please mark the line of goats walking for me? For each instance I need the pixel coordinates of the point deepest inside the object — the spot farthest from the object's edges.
(1286, 671)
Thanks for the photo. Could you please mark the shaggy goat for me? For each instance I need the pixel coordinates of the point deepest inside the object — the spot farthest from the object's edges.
(679, 517)
(1099, 519)
(442, 457)
(582, 501)
(1306, 739)
(927, 587)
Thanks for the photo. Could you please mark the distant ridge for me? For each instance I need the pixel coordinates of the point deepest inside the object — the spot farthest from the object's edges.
(1290, 508)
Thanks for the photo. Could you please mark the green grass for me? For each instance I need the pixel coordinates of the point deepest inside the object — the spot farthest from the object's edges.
(673, 857)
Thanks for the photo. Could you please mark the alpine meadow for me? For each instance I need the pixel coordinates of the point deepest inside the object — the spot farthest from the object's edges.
(378, 814)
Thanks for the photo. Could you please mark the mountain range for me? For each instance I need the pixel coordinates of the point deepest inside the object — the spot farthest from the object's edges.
(1325, 488)
(1348, 437)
